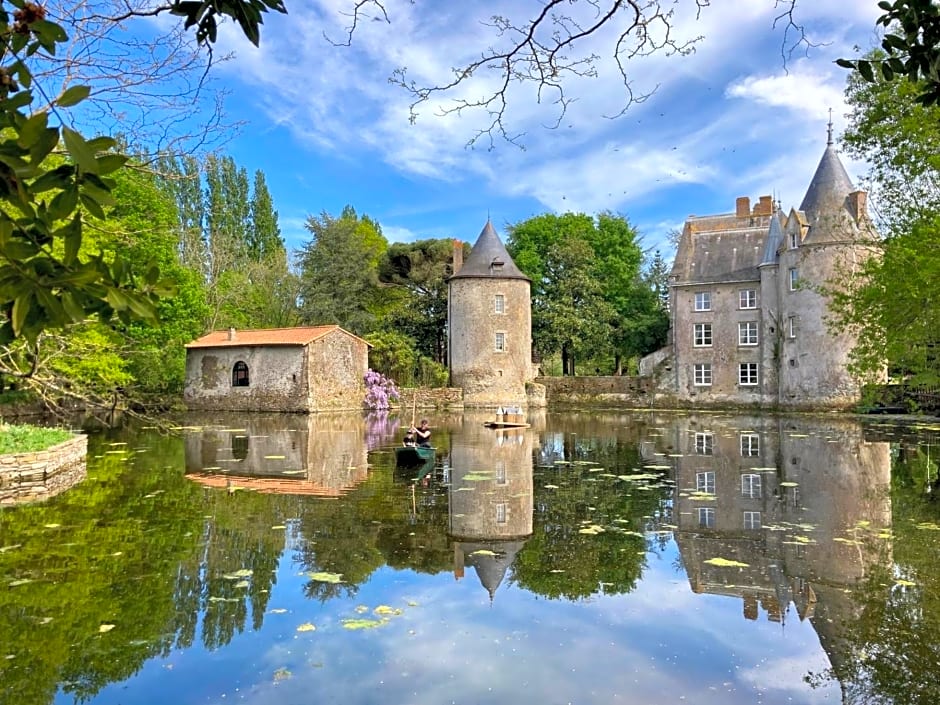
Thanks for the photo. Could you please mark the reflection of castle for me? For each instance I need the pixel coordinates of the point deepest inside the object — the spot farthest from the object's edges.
(317, 454)
(490, 501)
(783, 496)
(793, 500)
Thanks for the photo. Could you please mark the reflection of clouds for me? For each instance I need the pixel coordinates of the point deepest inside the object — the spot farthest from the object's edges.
(660, 644)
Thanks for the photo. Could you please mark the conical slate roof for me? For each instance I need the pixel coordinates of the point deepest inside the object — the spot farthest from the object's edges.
(828, 189)
(489, 258)
(774, 240)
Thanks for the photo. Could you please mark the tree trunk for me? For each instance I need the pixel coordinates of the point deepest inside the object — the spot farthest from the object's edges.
(618, 365)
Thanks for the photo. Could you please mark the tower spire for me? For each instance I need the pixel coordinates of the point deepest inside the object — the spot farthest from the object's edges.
(829, 130)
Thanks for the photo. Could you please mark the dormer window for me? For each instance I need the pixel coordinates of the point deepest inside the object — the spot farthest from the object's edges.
(794, 241)
(497, 264)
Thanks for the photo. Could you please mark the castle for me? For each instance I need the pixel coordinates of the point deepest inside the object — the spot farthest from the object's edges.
(748, 306)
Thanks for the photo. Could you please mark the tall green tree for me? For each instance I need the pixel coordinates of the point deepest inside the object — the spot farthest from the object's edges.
(339, 271)
(609, 270)
(893, 307)
(264, 236)
(420, 270)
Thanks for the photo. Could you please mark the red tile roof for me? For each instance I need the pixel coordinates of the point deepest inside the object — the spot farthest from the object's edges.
(266, 336)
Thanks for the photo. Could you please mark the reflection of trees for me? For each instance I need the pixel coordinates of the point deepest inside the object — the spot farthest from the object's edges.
(889, 653)
(133, 549)
(560, 561)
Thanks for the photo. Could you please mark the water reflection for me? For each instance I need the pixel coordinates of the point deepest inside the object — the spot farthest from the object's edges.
(490, 499)
(315, 454)
(597, 534)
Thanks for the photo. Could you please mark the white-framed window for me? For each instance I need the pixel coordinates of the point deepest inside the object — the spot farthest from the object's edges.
(747, 373)
(706, 517)
(501, 478)
(500, 342)
(751, 520)
(747, 333)
(791, 326)
(704, 443)
(501, 513)
(702, 374)
(751, 486)
(702, 335)
(747, 298)
(793, 277)
(703, 301)
(794, 241)
(705, 481)
(750, 445)
(499, 303)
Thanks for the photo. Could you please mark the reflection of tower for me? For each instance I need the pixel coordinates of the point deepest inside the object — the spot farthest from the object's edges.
(490, 499)
(317, 454)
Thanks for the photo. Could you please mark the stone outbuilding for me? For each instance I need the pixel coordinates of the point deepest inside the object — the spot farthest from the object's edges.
(748, 301)
(489, 313)
(304, 369)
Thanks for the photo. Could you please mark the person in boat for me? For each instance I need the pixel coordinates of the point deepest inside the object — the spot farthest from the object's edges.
(423, 434)
(411, 439)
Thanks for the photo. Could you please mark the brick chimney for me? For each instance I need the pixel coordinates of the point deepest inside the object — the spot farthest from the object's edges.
(231, 334)
(458, 255)
(742, 207)
(858, 204)
(765, 206)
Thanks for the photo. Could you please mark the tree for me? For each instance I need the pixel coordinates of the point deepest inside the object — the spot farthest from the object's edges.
(610, 284)
(899, 137)
(420, 270)
(892, 307)
(264, 236)
(339, 271)
(571, 315)
(44, 282)
(911, 49)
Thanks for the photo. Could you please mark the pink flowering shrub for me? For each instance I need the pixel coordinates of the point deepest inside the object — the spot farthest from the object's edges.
(381, 391)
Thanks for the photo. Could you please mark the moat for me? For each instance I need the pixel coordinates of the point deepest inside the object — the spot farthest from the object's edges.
(593, 557)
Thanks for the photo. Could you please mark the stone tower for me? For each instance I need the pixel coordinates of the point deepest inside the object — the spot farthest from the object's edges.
(490, 326)
(825, 241)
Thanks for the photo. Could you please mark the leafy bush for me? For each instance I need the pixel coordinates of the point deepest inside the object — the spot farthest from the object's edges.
(381, 392)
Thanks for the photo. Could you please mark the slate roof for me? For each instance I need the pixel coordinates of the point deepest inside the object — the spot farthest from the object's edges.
(774, 240)
(487, 251)
(828, 189)
(267, 336)
(720, 248)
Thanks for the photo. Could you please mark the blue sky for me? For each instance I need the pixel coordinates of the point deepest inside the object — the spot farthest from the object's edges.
(731, 119)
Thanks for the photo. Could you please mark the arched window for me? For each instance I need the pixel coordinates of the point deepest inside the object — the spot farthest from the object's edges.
(240, 374)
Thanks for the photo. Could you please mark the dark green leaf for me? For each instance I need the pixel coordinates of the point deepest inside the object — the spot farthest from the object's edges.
(64, 203)
(73, 240)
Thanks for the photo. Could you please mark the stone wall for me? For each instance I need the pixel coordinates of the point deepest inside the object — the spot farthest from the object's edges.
(450, 398)
(622, 391)
(39, 475)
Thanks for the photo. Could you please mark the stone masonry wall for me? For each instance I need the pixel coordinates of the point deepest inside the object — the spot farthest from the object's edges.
(30, 477)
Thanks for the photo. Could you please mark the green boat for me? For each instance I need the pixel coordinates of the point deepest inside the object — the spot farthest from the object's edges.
(408, 456)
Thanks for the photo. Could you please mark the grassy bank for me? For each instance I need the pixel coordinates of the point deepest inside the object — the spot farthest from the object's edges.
(26, 439)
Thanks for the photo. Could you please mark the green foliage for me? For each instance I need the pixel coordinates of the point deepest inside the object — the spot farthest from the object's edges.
(25, 439)
(44, 283)
(248, 14)
(339, 271)
(900, 139)
(588, 291)
(419, 270)
(911, 46)
(894, 307)
(393, 355)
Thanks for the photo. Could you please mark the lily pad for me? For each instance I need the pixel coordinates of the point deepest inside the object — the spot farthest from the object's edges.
(364, 623)
(327, 577)
(726, 563)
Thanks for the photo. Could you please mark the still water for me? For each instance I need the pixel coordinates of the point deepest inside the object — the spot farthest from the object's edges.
(593, 557)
